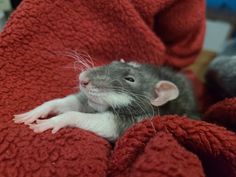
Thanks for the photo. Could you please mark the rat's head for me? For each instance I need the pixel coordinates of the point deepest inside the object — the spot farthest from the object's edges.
(120, 84)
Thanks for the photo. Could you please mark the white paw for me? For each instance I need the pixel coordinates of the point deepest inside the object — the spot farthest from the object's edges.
(54, 123)
(41, 111)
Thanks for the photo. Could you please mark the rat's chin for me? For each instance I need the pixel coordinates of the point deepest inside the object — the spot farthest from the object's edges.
(95, 100)
(97, 106)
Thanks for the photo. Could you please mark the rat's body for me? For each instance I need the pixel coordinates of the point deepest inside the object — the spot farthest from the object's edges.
(115, 96)
(221, 73)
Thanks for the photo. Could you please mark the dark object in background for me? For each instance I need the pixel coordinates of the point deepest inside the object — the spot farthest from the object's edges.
(15, 3)
(221, 73)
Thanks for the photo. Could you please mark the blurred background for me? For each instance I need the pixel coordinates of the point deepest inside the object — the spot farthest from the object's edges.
(221, 27)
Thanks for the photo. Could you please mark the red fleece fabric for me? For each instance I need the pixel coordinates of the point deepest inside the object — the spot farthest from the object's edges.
(34, 68)
(223, 113)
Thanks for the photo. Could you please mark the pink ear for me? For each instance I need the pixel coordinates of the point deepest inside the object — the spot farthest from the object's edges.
(166, 91)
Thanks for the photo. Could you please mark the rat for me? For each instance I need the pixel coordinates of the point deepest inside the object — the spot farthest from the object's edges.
(113, 97)
(221, 73)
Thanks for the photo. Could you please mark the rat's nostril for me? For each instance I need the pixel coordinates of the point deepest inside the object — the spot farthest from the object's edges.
(84, 82)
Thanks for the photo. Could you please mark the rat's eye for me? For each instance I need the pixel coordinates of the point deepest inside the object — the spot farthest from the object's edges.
(129, 78)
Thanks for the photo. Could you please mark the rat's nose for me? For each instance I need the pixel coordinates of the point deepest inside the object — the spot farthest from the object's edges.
(84, 83)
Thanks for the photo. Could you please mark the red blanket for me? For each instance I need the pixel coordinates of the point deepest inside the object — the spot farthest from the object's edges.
(33, 69)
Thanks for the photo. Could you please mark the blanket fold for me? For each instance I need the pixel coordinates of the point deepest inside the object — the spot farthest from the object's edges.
(213, 146)
(36, 47)
(223, 113)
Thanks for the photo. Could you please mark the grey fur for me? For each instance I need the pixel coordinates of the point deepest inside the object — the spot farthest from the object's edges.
(146, 77)
(221, 73)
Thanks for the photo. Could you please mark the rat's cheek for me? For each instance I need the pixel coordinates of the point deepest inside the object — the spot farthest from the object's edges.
(118, 99)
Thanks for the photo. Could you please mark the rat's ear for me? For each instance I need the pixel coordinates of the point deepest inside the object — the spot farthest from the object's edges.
(165, 91)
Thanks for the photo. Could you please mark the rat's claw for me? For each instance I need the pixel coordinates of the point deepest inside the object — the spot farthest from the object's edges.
(54, 123)
(41, 127)
(31, 116)
(30, 120)
(20, 118)
(26, 118)
(55, 129)
(33, 127)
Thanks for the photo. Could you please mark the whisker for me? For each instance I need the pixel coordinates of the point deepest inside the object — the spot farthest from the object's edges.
(81, 59)
(141, 99)
(89, 58)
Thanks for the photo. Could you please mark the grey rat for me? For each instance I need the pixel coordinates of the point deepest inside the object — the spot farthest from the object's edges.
(115, 96)
(221, 73)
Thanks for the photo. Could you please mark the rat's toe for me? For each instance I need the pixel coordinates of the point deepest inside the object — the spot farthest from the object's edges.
(55, 129)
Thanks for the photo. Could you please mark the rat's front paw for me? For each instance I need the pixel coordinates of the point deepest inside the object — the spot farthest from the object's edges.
(55, 123)
(41, 111)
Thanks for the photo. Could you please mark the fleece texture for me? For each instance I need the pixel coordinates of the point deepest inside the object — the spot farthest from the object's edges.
(35, 67)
